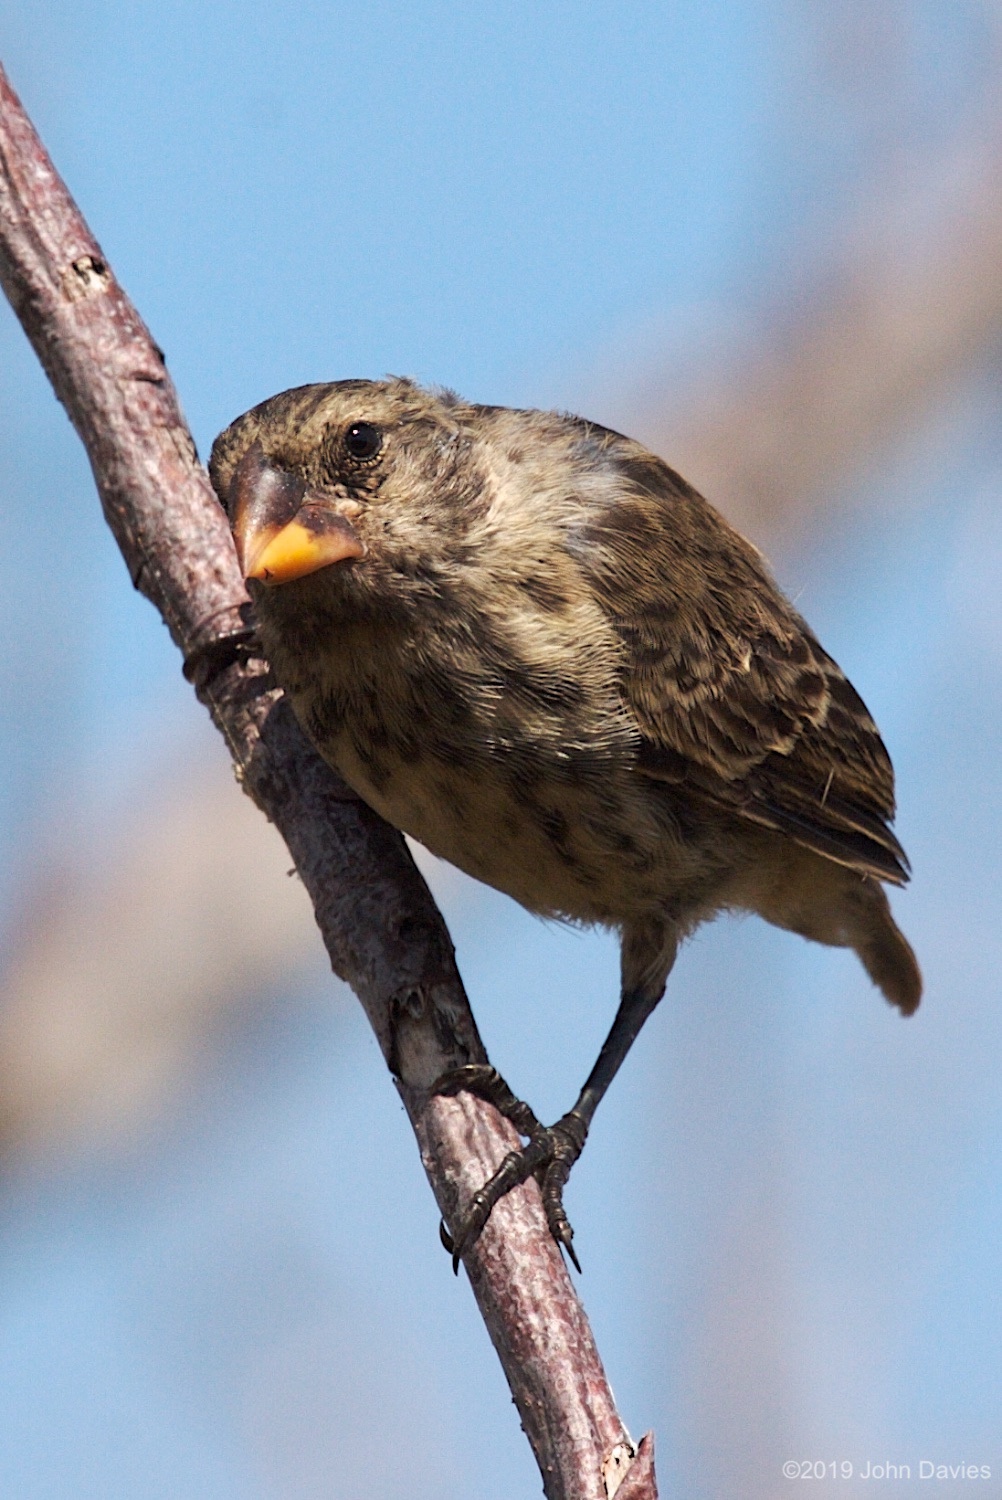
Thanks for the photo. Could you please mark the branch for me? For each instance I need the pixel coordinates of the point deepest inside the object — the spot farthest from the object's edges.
(379, 923)
(758, 433)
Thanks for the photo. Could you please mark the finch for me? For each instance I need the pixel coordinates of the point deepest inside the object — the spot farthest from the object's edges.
(526, 641)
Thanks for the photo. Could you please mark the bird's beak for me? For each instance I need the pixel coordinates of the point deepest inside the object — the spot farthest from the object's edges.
(281, 529)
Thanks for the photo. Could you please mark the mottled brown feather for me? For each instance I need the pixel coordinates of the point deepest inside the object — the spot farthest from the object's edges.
(558, 667)
(735, 698)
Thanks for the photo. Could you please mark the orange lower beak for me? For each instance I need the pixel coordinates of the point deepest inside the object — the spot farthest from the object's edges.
(281, 529)
(317, 537)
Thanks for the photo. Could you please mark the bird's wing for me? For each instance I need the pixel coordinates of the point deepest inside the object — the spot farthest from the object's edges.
(735, 700)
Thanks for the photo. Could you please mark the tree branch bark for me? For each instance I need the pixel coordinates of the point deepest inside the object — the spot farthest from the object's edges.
(378, 921)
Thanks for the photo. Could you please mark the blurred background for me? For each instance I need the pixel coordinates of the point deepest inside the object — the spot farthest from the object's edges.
(764, 237)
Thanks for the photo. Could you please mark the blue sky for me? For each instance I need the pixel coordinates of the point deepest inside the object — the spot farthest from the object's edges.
(520, 202)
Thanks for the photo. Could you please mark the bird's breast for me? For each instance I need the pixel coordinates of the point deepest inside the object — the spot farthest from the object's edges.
(558, 845)
(520, 796)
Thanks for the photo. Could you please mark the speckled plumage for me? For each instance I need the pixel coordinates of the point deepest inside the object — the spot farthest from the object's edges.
(558, 667)
(549, 659)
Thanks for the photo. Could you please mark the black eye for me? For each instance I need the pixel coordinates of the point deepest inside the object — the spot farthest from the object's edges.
(362, 440)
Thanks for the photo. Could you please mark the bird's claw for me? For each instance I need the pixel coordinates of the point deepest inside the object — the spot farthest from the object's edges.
(486, 1083)
(549, 1156)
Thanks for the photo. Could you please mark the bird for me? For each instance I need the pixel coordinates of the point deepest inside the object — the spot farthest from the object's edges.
(527, 642)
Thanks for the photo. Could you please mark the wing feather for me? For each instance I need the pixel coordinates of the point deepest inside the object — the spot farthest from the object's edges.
(733, 696)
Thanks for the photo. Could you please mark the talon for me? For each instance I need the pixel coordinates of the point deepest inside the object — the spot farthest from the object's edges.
(548, 1156)
(485, 1082)
(479, 1079)
(471, 1077)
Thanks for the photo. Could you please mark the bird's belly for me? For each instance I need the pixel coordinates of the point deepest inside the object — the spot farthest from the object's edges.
(588, 853)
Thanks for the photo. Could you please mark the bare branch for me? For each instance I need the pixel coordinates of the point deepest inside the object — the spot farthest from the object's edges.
(845, 364)
(377, 918)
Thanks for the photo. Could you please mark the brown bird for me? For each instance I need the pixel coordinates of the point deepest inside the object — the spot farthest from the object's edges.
(525, 640)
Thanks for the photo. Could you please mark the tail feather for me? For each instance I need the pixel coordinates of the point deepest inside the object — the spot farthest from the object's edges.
(830, 903)
(887, 957)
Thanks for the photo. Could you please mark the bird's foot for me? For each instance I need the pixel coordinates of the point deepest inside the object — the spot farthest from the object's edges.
(549, 1156)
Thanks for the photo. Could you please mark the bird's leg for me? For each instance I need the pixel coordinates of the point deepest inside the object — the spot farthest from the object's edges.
(551, 1151)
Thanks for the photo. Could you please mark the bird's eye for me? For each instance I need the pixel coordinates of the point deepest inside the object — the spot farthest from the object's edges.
(363, 441)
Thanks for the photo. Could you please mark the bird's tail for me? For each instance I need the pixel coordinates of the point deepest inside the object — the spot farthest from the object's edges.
(825, 901)
(886, 954)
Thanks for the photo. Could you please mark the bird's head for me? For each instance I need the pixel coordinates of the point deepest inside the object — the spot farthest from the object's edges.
(371, 483)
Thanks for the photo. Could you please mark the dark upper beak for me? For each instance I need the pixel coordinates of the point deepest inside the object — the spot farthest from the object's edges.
(282, 529)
